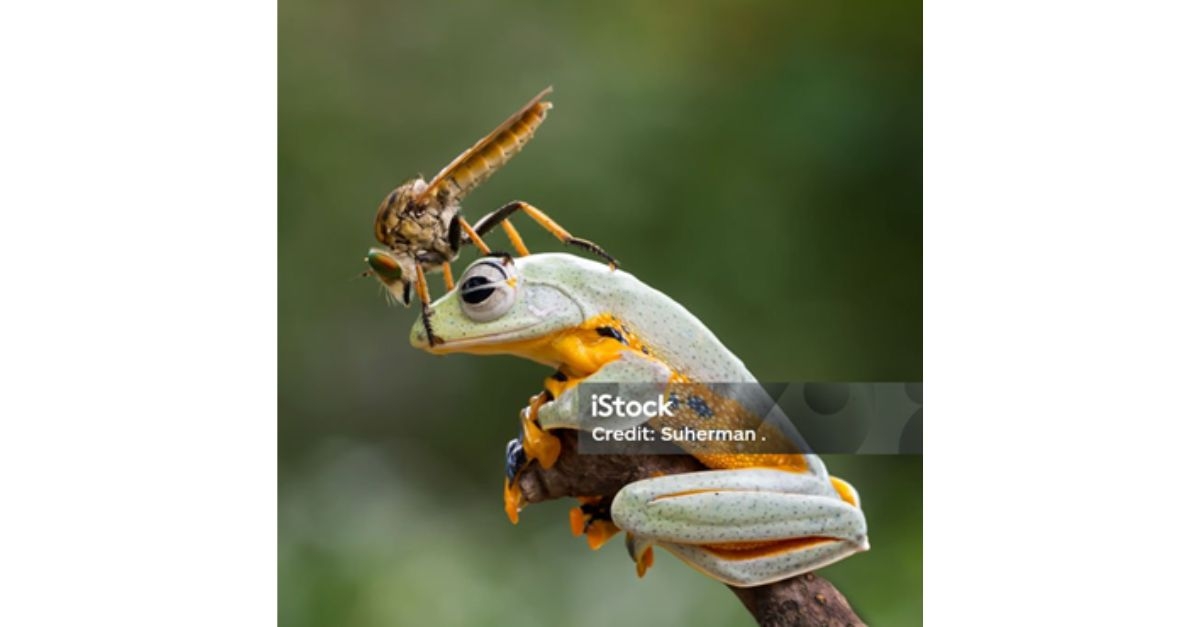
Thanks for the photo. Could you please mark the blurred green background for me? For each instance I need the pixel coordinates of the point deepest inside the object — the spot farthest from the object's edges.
(758, 161)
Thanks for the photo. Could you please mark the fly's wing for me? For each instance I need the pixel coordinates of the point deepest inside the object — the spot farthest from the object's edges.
(480, 161)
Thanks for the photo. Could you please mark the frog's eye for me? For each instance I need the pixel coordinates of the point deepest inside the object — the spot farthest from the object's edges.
(486, 291)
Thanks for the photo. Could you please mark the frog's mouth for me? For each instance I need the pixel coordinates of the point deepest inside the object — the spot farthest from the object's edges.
(491, 343)
(540, 348)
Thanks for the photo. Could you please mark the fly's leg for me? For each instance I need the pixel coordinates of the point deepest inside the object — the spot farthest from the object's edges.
(430, 259)
(474, 235)
(501, 215)
(515, 238)
(426, 310)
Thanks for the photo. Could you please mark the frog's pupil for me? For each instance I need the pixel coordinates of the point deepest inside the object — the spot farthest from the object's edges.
(473, 292)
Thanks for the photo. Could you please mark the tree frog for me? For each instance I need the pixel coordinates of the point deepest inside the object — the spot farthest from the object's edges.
(753, 518)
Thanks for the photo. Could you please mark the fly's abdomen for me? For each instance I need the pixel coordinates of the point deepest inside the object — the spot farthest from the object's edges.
(489, 154)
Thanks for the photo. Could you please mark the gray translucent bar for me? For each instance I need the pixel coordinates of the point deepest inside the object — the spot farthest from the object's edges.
(752, 418)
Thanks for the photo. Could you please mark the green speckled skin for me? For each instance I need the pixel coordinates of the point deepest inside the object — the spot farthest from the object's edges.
(558, 291)
(685, 513)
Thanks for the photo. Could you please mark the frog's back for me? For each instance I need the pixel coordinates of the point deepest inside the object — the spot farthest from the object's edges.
(671, 332)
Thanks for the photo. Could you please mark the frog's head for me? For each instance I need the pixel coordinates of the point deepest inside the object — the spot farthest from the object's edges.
(512, 306)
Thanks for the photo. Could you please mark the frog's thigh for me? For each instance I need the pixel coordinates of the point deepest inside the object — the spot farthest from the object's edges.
(744, 527)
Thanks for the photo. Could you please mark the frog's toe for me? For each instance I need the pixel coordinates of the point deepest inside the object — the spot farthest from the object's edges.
(514, 501)
(538, 444)
(578, 521)
(600, 532)
(642, 552)
(592, 518)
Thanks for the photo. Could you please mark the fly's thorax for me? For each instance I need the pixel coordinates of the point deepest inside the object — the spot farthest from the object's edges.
(424, 230)
(389, 218)
(409, 224)
(401, 215)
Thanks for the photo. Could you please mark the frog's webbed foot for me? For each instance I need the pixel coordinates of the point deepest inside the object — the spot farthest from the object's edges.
(534, 443)
(593, 518)
(744, 527)
(557, 408)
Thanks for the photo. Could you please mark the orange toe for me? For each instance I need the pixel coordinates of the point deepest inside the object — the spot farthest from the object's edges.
(599, 532)
(645, 561)
(513, 501)
(538, 444)
(578, 521)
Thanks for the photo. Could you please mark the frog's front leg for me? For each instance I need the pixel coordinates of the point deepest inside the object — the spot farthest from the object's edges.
(533, 444)
(557, 408)
(744, 527)
(537, 443)
(630, 367)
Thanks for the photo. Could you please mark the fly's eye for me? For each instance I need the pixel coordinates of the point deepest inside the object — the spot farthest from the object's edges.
(486, 292)
(384, 265)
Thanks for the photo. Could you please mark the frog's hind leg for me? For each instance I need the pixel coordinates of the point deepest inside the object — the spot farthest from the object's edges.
(744, 527)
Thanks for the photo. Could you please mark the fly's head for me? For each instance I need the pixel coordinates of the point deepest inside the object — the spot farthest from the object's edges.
(396, 272)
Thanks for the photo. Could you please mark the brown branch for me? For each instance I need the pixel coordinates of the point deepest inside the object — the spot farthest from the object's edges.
(802, 600)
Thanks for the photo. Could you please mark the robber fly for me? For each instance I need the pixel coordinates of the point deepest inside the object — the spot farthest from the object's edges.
(422, 227)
